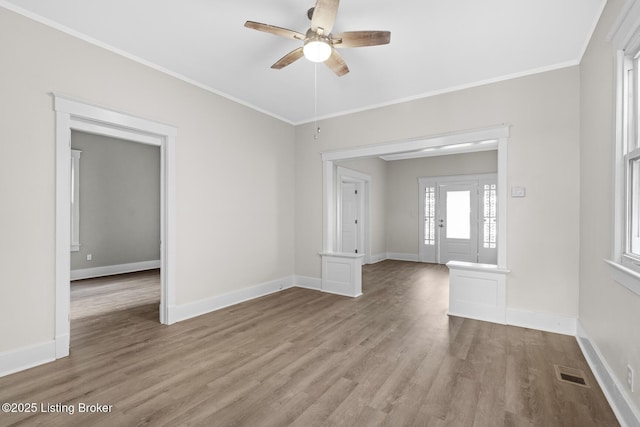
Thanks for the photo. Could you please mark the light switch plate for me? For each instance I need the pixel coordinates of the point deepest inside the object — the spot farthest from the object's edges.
(518, 191)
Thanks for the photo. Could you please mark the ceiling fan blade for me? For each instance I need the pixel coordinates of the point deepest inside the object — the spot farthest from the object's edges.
(361, 38)
(324, 16)
(337, 64)
(288, 59)
(282, 32)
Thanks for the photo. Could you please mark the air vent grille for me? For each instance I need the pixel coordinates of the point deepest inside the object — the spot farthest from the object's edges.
(571, 376)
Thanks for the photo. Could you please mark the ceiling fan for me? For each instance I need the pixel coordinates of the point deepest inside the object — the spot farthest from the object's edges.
(319, 43)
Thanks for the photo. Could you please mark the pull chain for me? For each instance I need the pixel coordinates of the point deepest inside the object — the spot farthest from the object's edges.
(316, 129)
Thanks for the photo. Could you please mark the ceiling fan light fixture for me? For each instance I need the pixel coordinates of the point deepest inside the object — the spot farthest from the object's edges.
(316, 50)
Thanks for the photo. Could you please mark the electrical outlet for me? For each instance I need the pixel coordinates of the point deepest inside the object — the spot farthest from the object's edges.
(89, 257)
(630, 377)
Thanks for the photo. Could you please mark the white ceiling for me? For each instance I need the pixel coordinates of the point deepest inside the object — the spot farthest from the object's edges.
(436, 45)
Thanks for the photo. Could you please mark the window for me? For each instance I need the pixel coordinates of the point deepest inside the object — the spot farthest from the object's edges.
(489, 215)
(430, 216)
(625, 258)
(458, 221)
(75, 200)
(631, 163)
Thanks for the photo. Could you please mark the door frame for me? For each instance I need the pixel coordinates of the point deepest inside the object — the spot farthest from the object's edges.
(72, 114)
(363, 182)
(435, 181)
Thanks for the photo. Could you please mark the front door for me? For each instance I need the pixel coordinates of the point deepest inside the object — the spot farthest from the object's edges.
(457, 222)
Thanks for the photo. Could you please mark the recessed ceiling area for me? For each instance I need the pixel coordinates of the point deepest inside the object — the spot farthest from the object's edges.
(436, 46)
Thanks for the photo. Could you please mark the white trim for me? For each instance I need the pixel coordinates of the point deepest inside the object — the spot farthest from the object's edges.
(27, 357)
(506, 77)
(625, 32)
(103, 120)
(477, 291)
(622, 405)
(399, 256)
(342, 274)
(75, 114)
(364, 184)
(474, 266)
(208, 305)
(628, 278)
(502, 201)
(445, 150)
(625, 38)
(63, 233)
(592, 30)
(619, 195)
(91, 40)
(128, 135)
(110, 270)
(419, 143)
(549, 322)
(75, 202)
(328, 203)
(305, 282)
(375, 258)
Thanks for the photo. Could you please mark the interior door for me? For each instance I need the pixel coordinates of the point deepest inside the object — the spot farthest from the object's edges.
(457, 222)
(349, 218)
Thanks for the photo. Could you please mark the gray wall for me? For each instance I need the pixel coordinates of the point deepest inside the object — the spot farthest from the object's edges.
(119, 201)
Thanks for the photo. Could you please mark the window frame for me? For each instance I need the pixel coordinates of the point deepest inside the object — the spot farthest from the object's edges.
(625, 39)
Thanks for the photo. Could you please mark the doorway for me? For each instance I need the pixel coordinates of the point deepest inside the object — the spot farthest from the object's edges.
(458, 219)
(115, 222)
(77, 115)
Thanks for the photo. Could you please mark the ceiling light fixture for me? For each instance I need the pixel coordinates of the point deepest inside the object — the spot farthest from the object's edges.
(316, 48)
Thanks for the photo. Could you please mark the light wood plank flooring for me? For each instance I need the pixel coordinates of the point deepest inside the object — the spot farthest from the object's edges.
(300, 357)
(91, 297)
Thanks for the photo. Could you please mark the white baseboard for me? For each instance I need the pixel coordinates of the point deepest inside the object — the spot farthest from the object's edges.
(628, 415)
(307, 282)
(398, 256)
(558, 324)
(207, 305)
(110, 270)
(375, 258)
(62, 345)
(27, 357)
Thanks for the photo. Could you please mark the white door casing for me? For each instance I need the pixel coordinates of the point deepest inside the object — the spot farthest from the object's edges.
(73, 114)
(362, 183)
(349, 217)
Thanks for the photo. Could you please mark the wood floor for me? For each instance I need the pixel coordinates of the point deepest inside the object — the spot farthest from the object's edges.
(300, 357)
(91, 297)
